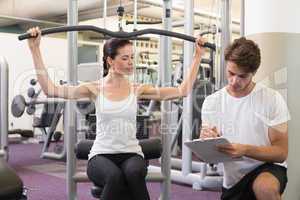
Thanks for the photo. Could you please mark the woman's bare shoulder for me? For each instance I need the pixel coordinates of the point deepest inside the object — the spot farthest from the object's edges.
(140, 88)
(94, 87)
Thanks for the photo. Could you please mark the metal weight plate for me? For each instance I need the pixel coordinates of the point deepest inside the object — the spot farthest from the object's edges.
(30, 92)
(18, 106)
(30, 109)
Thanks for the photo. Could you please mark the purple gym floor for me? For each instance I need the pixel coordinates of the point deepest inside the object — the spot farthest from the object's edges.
(45, 179)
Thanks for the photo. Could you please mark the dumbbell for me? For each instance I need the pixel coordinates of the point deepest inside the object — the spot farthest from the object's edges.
(31, 94)
(19, 104)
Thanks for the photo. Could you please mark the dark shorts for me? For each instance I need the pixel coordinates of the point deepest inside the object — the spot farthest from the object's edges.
(243, 189)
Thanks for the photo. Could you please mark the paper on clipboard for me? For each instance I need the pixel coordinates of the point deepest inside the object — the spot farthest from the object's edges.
(207, 151)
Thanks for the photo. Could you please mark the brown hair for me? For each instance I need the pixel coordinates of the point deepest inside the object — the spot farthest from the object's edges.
(245, 53)
(110, 49)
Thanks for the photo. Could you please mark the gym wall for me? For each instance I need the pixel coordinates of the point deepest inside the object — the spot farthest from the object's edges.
(280, 70)
(273, 24)
(21, 69)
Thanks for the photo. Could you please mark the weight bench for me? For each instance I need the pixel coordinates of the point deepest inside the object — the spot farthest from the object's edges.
(151, 148)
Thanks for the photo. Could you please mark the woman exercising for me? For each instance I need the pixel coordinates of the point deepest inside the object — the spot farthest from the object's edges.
(116, 160)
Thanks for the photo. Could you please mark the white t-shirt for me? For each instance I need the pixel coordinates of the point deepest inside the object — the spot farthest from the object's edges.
(244, 120)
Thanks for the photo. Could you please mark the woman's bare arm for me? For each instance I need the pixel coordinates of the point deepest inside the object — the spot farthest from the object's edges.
(47, 85)
(167, 93)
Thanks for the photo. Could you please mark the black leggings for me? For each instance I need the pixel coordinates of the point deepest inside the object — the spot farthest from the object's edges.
(119, 175)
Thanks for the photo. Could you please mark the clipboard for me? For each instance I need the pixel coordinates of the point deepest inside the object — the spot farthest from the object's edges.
(207, 151)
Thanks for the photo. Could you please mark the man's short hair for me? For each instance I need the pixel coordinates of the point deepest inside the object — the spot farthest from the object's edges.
(244, 53)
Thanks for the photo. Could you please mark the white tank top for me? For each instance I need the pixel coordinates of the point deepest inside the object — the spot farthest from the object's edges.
(116, 126)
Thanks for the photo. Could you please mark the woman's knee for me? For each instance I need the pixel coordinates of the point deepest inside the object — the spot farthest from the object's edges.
(101, 175)
(136, 173)
(135, 169)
